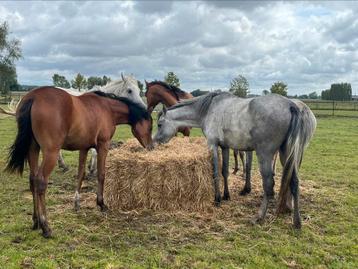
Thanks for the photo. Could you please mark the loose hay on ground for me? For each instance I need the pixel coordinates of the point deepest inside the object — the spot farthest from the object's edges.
(177, 175)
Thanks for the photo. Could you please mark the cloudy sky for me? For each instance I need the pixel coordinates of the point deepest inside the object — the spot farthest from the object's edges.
(309, 45)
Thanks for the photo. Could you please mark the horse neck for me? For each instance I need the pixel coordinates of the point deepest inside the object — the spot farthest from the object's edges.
(185, 116)
(167, 98)
(119, 112)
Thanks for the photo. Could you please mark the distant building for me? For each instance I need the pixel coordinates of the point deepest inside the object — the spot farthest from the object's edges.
(354, 97)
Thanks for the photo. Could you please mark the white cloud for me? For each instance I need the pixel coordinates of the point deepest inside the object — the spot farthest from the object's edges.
(307, 45)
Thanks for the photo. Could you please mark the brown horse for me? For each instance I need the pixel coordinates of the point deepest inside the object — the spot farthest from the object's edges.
(161, 92)
(50, 119)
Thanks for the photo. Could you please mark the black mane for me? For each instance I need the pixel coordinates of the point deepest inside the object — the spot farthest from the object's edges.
(171, 88)
(136, 111)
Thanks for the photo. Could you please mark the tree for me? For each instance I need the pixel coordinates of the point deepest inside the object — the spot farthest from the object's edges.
(198, 92)
(79, 82)
(338, 91)
(94, 81)
(279, 87)
(141, 88)
(239, 86)
(105, 80)
(60, 81)
(265, 92)
(326, 95)
(313, 95)
(10, 51)
(172, 79)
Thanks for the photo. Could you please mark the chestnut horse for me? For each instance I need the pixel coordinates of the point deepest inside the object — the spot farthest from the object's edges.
(50, 119)
(161, 92)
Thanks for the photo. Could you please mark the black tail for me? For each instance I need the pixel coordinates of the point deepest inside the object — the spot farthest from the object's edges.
(19, 150)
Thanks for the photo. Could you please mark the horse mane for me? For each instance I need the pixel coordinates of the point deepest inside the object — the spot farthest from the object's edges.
(202, 102)
(174, 89)
(136, 111)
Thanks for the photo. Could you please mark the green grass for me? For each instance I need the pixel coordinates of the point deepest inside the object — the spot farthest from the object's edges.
(221, 239)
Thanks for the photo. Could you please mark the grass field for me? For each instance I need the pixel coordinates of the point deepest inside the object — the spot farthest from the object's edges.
(223, 238)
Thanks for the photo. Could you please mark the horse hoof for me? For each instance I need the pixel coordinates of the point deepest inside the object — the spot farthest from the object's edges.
(245, 191)
(257, 220)
(104, 208)
(65, 169)
(35, 226)
(47, 233)
(77, 206)
(226, 197)
(297, 225)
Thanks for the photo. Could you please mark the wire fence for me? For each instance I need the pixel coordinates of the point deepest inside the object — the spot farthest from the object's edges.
(319, 107)
(333, 108)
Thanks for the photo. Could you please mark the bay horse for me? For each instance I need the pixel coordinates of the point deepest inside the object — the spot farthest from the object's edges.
(169, 95)
(50, 119)
(265, 124)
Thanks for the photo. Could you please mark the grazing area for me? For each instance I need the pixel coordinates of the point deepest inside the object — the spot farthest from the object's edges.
(222, 237)
(170, 177)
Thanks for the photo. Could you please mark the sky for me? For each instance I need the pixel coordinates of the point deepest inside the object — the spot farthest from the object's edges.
(308, 45)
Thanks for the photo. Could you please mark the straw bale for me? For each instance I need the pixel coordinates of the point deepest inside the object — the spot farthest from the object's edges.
(174, 176)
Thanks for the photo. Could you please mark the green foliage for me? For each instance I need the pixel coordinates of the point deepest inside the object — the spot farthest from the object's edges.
(338, 92)
(172, 79)
(10, 51)
(279, 87)
(265, 92)
(60, 81)
(141, 88)
(79, 82)
(97, 81)
(198, 92)
(313, 95)
(239, 86)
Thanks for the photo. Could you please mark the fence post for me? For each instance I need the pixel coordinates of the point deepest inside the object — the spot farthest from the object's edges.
(333, 108)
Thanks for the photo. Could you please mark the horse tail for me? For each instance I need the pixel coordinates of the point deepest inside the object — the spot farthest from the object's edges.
(18, 152)
(301, 129)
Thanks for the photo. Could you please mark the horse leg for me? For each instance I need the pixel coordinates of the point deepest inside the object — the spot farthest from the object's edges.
(92, 166)
(247, 187)
(33, 159)
(216, 177)
(225, 171)
(295, 192)
(80, 177)
(61, 163)
(265, 164)
(287, 208)
(102, 150)
(186, 131)
(236, 167)
(41, 182)
(242, 158)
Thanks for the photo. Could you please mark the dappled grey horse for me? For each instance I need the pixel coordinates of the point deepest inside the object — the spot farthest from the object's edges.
(264, 124)
(247, 188)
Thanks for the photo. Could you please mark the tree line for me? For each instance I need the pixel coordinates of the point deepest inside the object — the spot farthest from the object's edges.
(79, 82)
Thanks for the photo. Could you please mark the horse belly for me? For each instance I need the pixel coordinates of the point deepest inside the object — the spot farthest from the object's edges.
(237, 139)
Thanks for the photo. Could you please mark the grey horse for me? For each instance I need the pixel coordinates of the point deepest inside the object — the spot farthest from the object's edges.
(264, 124)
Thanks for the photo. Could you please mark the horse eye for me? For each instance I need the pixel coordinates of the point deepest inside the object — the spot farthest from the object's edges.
(129, 91)
(159, 125)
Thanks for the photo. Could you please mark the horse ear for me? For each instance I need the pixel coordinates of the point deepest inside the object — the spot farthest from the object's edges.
(123, 78)
(164, 110)
(146, 83)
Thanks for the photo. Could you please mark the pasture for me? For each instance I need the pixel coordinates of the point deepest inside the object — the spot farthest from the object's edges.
(223, 238)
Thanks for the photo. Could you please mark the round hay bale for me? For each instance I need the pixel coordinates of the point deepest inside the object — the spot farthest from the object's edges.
(174, 176)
